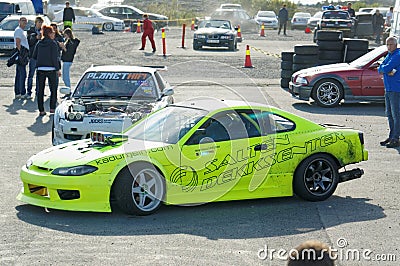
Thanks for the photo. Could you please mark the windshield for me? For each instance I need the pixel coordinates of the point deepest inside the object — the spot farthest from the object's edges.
(336, 15)
(302, 15)
(6, 8)
(365, 59)
(117, 84)
(168, 125)
(268, 14)
(12, 24)
(224, 24)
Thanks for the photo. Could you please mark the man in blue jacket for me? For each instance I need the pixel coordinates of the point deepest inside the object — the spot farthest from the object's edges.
(390, 68)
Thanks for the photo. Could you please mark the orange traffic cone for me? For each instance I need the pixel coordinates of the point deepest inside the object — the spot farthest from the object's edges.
(138, 29)
(307, 30)
(239, 33)
(262, 33)
(247, 62)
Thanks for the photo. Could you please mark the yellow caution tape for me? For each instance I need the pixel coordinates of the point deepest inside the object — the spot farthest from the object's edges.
(264, 52)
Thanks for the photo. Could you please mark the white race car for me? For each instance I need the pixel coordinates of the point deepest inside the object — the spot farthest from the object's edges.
(109, 98)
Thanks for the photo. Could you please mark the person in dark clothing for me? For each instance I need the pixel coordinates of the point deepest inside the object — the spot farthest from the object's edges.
(351, 10)
(68, 16)
(283, 17)
(34, 36)
(377, 22)
(148, 31)
(68, 53)
(48, 65)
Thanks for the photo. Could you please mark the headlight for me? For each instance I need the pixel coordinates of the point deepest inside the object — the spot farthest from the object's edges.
(199, 36)
(29, 163)
(74, 170)
(301, 80)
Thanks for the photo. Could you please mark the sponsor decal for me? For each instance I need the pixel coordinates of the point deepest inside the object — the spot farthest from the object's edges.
(116, 76)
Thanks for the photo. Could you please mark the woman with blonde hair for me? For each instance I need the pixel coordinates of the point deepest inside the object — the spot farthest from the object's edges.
(68, 53)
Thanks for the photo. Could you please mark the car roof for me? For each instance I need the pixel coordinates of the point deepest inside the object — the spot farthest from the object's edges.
(134, 8)
(118, 68)
(212, 104)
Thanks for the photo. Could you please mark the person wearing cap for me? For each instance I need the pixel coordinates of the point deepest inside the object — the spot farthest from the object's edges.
(148, 31)
(68, 16)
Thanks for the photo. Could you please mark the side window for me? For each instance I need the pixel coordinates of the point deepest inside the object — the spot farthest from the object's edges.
(160, 81)
(280, 124)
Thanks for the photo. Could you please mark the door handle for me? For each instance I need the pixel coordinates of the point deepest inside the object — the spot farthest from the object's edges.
(260, 147)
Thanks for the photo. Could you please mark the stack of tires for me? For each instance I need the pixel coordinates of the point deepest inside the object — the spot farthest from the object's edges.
(286, 68)
(305, 56)
(330, 45)
(354, 48)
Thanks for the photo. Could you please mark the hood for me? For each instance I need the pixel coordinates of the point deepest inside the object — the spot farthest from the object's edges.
(111, 19)
(83, 152)
(325, 69)
(266, 19)
(213, 31)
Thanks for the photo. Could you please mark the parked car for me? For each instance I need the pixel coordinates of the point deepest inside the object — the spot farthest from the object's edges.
(8, 26)
(328, 85)
(130, 15)
(109, 98)
(313, 21)
(54, 6)
(268, 18)
(364, 28)
(238, 17)
(215, 33)
(195, 152)
(16, 7)
(86, 18)
(337, 20)
(299, 20)
(231, 6)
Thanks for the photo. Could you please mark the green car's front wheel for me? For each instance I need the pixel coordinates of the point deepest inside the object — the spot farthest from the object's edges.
(139, 189)
(316, 178)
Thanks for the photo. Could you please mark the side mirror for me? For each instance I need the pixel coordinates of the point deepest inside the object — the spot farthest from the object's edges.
(168, 92)
(196, 27)
(65, 90)
(374, 65)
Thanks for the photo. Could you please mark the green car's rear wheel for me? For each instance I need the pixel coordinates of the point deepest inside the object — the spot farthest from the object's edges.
(139, 189)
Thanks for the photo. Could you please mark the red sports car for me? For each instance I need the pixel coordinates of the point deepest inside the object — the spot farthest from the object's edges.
(328, 85)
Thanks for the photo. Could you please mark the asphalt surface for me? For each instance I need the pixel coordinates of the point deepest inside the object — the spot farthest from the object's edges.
(361, 218)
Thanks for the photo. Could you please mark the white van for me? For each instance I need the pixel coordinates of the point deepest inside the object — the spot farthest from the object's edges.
(16, 7)
(53, 6)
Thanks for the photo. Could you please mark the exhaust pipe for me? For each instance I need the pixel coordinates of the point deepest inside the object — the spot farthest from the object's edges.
(350, 175)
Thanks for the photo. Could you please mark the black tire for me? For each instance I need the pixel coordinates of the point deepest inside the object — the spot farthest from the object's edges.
(353, 55)
(52, 132)
(285, 83)
(286, 65)
(287, 74)
(134, 196)
(316, 178)
(108, 26)
(315, 35)
(332, 55)
(305, 59)
(231, 46)
(287, 56)
(297, 67)
(304, 49)
(196, 47)
(356, 44)
(330, 45)
(329, 35)
(327, 93)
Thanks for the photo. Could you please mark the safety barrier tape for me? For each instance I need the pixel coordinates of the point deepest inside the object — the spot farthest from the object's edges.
(264, 52)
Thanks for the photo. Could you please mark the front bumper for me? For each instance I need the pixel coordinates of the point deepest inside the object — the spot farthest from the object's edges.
(73, 193)
(212, 43)
(300, 91)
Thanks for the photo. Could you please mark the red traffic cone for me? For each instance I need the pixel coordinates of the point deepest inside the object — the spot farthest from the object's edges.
(247, 62)
(138, 29)
(307, 30)
(239, 33)
(262, 33)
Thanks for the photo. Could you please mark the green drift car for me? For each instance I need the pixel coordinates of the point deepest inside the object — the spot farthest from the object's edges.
(195, 152)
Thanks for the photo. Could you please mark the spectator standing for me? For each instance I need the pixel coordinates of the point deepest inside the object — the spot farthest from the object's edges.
(68, 53)
(22, 45)
(148, 31)
(68, 16)
(377, 22)
(389, 17)
(283, 17)
(48, 66)
(351, 10)
(34, 36)
(390, 68)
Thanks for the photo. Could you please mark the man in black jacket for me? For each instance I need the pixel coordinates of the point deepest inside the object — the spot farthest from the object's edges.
(34, 35)
(283, 17)
(68, 16)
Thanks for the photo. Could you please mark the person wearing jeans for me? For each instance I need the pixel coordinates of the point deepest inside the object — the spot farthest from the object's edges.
(390, 68)
(20, 42)
(48, 65)
(33, 36)
(68, 53)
